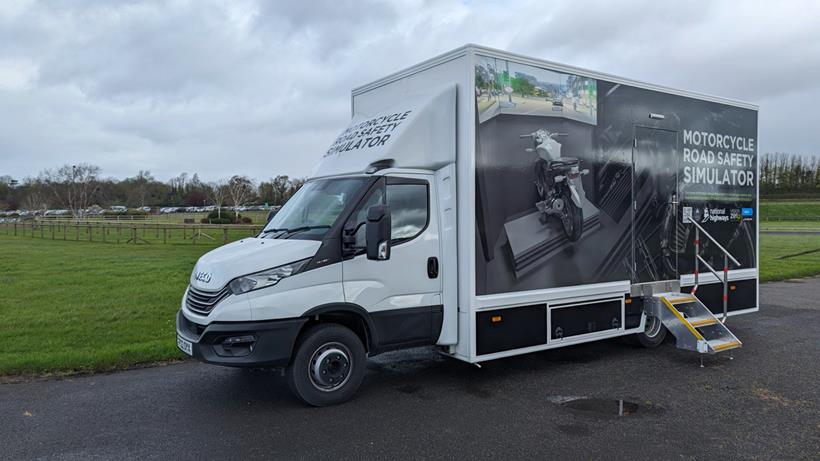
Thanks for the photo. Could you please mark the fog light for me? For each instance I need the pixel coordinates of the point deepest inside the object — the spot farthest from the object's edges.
(236, 340)
(235, 346)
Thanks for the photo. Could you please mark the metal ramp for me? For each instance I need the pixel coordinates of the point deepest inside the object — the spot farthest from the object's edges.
(693, 324)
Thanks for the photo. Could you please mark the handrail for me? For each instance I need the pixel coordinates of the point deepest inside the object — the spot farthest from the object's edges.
(712, 270)
(699, 259)
(724, 250)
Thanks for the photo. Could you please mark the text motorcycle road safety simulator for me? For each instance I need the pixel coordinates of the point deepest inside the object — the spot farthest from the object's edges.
(492, 205)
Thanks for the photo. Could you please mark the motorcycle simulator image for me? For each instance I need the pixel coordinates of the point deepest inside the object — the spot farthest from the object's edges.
(556, 183)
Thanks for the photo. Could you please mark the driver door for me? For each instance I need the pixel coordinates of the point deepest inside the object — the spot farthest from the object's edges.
(402, 294)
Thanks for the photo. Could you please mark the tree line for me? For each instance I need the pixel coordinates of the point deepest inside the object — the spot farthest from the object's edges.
(784, 174)
(80, 187)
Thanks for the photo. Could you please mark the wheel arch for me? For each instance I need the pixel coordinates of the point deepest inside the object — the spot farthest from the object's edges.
(349, 315)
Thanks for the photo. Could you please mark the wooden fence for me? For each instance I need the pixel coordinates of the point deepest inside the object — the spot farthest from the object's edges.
(131, 233)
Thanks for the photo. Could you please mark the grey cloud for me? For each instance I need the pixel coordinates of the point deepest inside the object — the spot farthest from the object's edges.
(262, 87)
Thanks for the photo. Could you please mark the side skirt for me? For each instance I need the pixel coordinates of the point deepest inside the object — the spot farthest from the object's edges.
(408, 327)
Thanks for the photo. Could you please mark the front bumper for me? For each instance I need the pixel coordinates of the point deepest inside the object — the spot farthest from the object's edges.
(241, 344)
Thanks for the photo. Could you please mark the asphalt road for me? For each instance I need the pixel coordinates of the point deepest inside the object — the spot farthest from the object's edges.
(415, 404)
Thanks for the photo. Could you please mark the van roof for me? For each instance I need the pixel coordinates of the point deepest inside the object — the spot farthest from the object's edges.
(492, 52)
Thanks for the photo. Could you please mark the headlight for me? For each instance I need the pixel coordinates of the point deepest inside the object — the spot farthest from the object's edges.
(267, 277)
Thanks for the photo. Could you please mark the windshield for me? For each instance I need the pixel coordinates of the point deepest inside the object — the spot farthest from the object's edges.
(313, 209)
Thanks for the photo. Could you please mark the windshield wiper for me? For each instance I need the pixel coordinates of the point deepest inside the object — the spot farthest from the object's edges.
(268, 231)
(295, 230)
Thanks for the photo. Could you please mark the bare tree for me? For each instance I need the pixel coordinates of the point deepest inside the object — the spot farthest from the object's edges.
(240, 189)
(72, 185)
(37, 195)
(280, 186)
(217, 192)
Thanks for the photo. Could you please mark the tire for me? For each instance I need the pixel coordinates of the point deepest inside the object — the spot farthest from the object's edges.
(542, 183)
(328, 365)
(573, 219)
(654, 334)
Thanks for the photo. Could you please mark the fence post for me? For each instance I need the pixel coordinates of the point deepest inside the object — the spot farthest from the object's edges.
(164, 234)
(103, 229)
(225, 235)
(119, 230)
(15, 229)
(41, 230)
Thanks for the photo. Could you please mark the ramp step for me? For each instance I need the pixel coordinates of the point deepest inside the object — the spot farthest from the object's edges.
(723, 344)
(680, 300)
(698, 322)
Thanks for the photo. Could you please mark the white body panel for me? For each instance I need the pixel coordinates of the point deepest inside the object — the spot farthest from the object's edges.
(415, 131)
(401, 281)
(297, 294)
(448, 239)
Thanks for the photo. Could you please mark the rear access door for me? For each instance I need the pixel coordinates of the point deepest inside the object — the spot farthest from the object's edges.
(657, 234)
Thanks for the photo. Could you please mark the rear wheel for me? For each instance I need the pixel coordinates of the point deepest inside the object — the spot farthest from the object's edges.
(572, 218)
(653, 335)
(328, 365)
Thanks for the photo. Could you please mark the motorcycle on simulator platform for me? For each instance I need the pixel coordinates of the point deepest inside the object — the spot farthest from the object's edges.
(555, 178)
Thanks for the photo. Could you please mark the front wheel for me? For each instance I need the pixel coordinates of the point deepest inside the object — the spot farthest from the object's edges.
(328, 365)
(572, 218)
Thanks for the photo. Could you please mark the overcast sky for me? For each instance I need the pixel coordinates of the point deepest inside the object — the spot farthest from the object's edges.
(262, 87)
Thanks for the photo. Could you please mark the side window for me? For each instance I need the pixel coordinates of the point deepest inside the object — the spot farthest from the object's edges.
(408, 209)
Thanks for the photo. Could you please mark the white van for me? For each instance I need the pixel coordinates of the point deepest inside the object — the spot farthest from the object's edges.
(459, 209)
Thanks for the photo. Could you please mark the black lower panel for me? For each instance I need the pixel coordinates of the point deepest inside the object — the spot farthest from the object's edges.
(415, 326)
(585, 318)
(513, 328)
(742, 295)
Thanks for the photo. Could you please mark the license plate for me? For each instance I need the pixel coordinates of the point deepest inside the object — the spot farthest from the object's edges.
(185, 346)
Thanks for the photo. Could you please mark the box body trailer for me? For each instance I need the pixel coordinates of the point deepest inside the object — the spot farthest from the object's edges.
(493, 204)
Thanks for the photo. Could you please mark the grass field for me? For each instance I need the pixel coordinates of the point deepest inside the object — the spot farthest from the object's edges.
(798, 209)
(88, 306)
(788, 256)
(69, 306)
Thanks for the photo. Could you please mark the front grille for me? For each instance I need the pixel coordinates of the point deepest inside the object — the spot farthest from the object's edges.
(203, 302)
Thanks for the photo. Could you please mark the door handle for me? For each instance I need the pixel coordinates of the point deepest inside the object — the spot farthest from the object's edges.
(432, 267)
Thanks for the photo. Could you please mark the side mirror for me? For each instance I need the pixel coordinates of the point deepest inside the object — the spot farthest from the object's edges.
(377, 232)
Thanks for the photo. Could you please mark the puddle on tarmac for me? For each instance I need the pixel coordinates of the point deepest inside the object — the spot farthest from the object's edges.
(604, 407)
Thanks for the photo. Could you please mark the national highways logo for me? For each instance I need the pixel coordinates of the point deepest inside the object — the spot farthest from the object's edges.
(714, 215)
